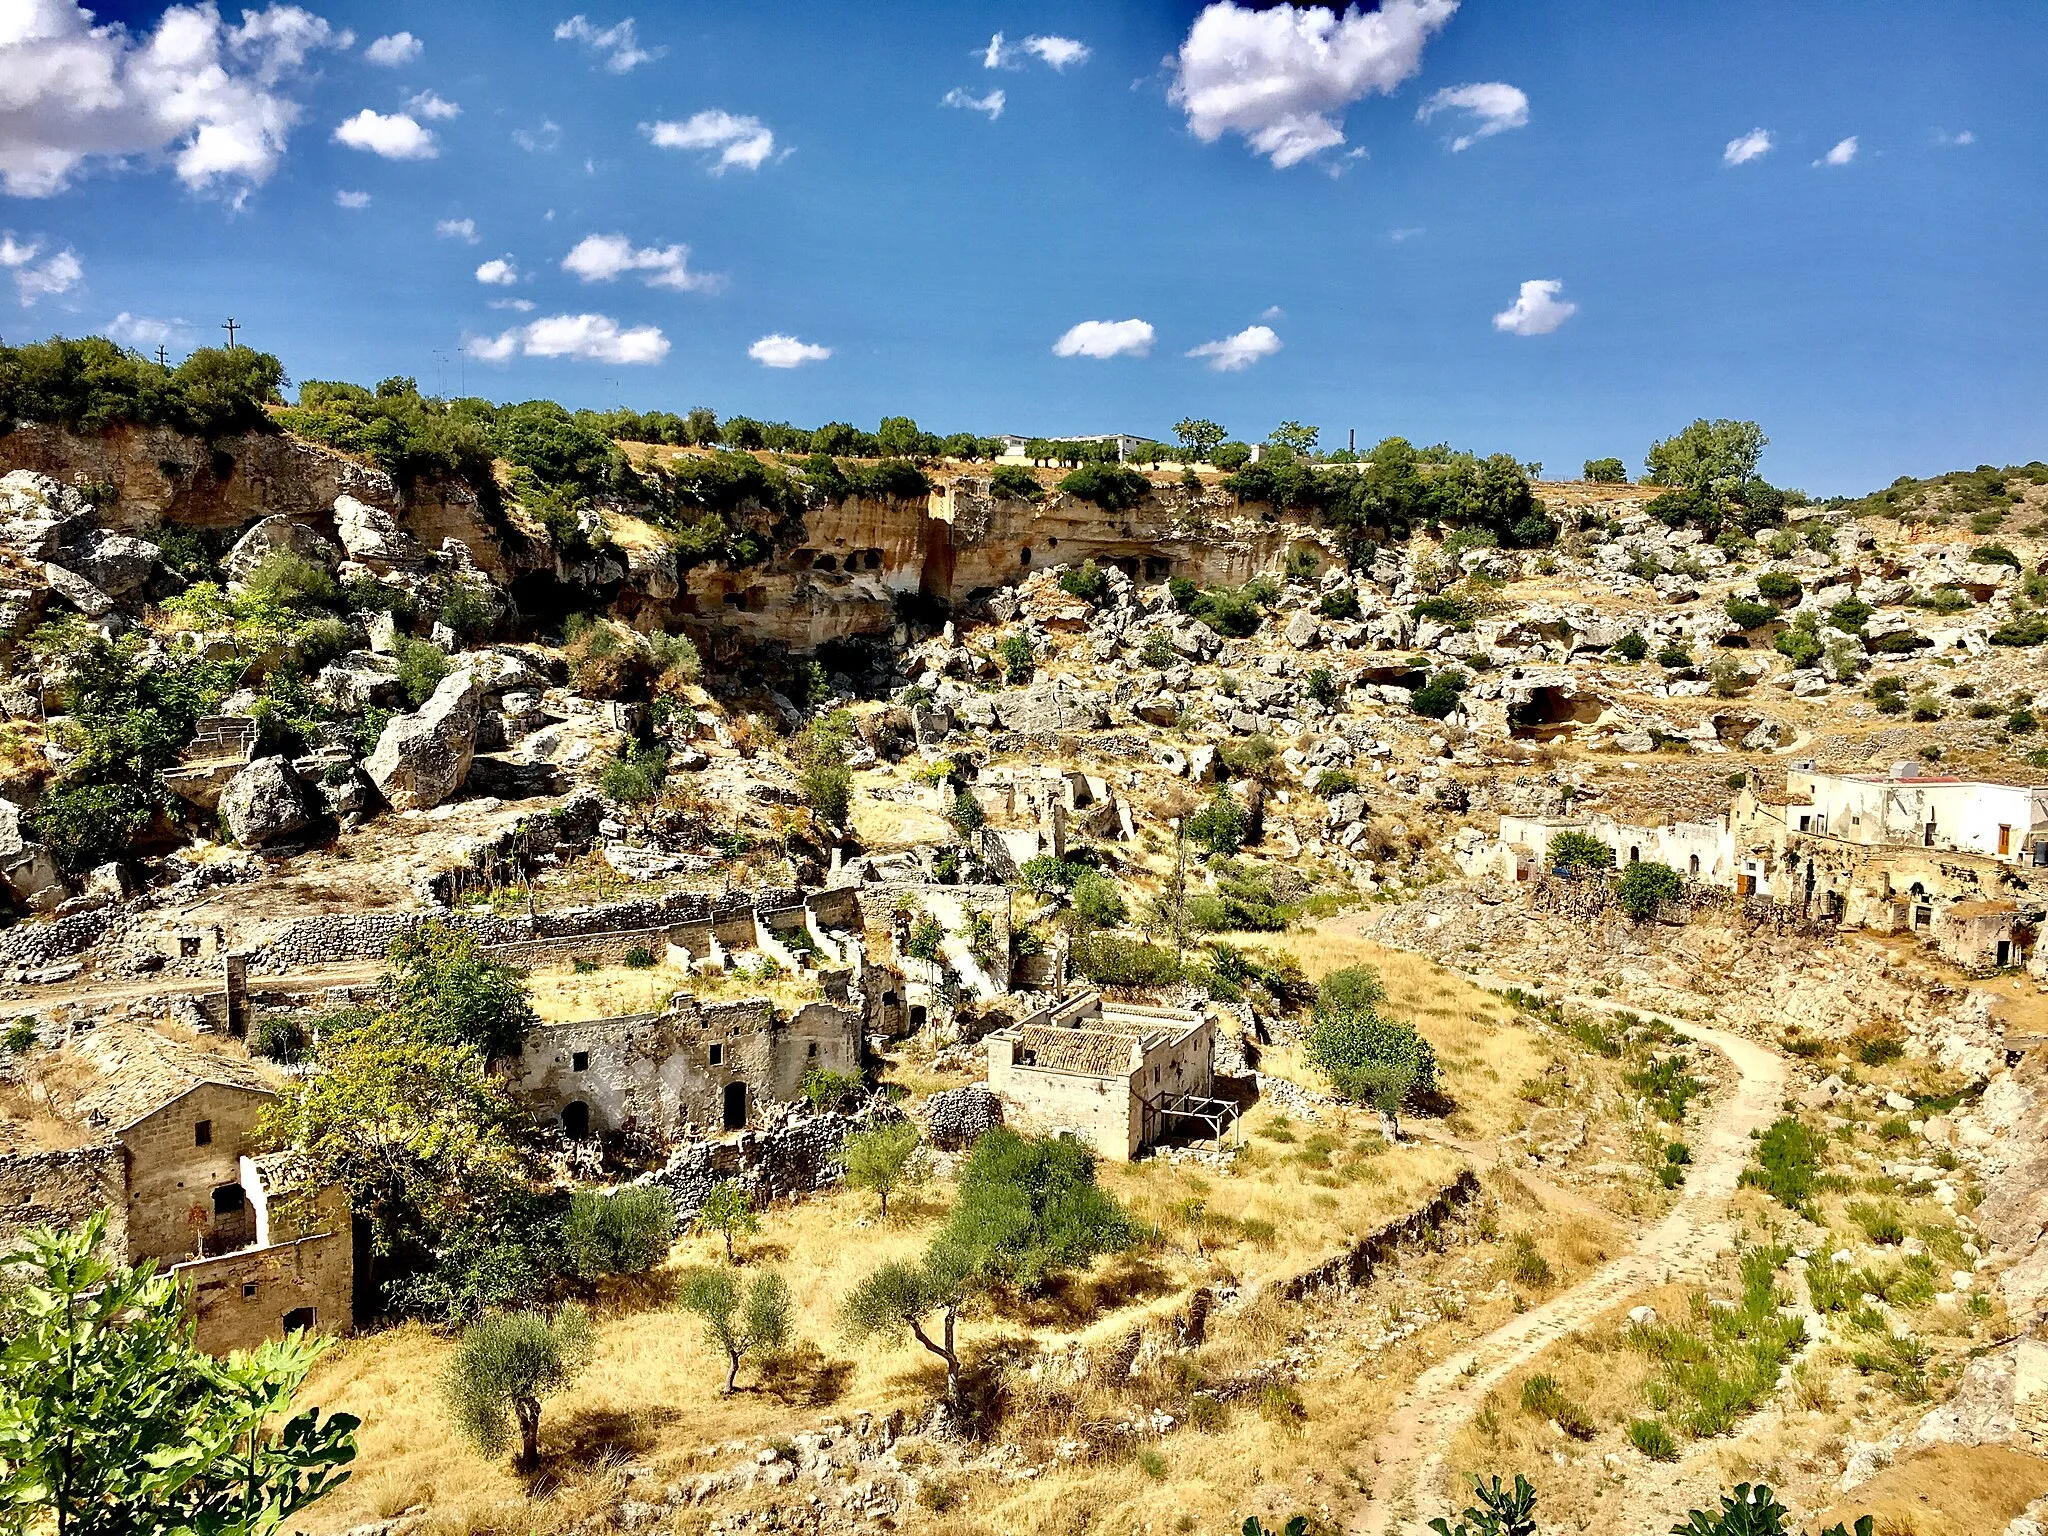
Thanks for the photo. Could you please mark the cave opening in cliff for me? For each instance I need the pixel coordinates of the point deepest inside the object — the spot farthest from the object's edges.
(1549, 711)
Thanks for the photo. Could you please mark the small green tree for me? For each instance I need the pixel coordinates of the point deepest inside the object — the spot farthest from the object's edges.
(1580, 850)
(1384, 1085)
(966, 815)
(1199, 437)
(1644, 887)
(1086, 580)
(1631, 647)
(1219, 826)
(1344, 1043)
(504, 1366)
(442, 986)
(1606, 471)
(112, 1421)
(1296, 437)
(903, 1296)
(885, 1158)
(824, 1089)
(1097, 903)
(620, 1232)
(1018, 662)
(738, 1320)
(728, 1210)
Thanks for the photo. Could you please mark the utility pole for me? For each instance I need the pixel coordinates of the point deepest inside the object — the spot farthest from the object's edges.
(162, 356)
(231, 327)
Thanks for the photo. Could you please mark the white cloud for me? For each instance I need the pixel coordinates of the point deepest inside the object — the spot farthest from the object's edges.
(210, 97)
(619, 44)
(992, 103)
(143, 333)
(602, 258)
(1235, 353)
(395, 137)
(35, 280)
(1105, 338)
(1494, 105)
(456, 229)
(780, 351)
(1946, 140)
(1282, 77)
(498, 272)
(738, 141)
(1842, 154)
(1273, 312)
(524, 306)
(434, 108)
(1537, 310)
(399, 48)
(1406, 233)
(536, 140)
(1057, 52)
(352, 199)
(585, 338)
(1753, 144)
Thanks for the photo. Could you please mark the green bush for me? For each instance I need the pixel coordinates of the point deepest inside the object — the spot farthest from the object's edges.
(1606, 471)
(1436, 699)
(1340, 1041)
(1016, 482)
(1157, 652)
(1748, 615)
(1788, 1160)
(1631, 647)
(1674, 656)
(1579, 850)
(1652, 1439)
(1899, 643)
(1339, 603)
(1015, 651)
(1644, 887)
(1850, 615)
(1779, 587)
(1110, 486)
(635, 777)
(1085, 581)
(1220, 826)
(620, 1232)
(2026, 629)
(1230, 613)
(1454, 611)
(1334, 781)
(1112, 960)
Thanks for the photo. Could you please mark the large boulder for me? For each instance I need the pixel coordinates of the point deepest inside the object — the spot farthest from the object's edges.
(262, 803)
(27, 869)
(114, 562)
(353, 683)
(423, 758)
(372, 536)
(278, 535)
(37, 514)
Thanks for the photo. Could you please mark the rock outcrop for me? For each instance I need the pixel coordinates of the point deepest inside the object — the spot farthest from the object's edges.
(263, 803)
(423, 758)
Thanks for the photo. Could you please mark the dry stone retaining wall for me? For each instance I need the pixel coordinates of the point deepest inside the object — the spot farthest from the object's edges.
(1355, 1265)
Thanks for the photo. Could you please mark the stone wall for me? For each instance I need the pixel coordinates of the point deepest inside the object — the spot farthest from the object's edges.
(794, 1158)
(240, 1300)
(1355, 1265)
(34, 946)
(173, 1174)
(63, 1188)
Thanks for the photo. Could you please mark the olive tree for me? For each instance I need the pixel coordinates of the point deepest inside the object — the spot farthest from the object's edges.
(729, 1211)
(886, 1157)
(505, 1365)
(738, 1320)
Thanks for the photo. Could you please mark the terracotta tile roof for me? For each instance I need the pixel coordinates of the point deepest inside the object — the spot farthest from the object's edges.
(1099, 1051)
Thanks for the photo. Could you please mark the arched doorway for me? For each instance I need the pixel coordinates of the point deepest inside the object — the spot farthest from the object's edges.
(1635, 855)
(735, 1106)
(576, 1120)
(300, 1320)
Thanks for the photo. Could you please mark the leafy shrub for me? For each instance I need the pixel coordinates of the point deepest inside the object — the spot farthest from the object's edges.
(635, 777)
(1779, 587)
(1220, 826)
(1322, 686)
(1339, 603)
(1230, 613)
(1454, 611)
(1332, 782)
(1157, 652)
(1340, 1041)
(1674, 656)
(1438, 697)
(1579, 850)
(2026, 629)
(1995, 554)
(1112, 960)
(1085, 581)
(1788, 1160)
(622, 1232)
(1016, 482)
(1631, 647)
(1652, 1439)
(1850, 615)
(1110, 486)
(1015, 651)
(1748, 615)
(1606, 471)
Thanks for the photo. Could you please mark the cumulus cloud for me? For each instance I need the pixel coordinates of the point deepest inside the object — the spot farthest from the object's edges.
(144, 333)
(396, 136)
(1493, 106)
(619, 45)
(537, 140)
(603, 258)
(434, 108)
(1537, 310)
(399, 48)
(1282, 77)
(1234, 353)
(1058, 52)
(456, 229)
(214, 99)
(585, 338)
(36, 278)
(779, 351)
(498, 272)
(352, 199)
(992, 103)
(735, 140)
(1105, 338)
(524, 306)
(1752, 145)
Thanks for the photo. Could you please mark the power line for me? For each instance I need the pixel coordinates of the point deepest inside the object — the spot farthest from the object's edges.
(231, 327)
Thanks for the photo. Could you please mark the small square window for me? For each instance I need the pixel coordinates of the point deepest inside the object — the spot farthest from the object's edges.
(248, 1289)
(579, 1061)
(202, 1134)
(717, 1052)
(813, 1051)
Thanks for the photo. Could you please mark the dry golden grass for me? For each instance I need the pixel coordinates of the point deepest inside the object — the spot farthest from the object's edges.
(883, 825)
(1944, 1490)
(1482, 1055)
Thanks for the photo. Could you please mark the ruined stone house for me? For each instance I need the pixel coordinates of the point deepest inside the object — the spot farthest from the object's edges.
(1118, 1076)
(161, 1134)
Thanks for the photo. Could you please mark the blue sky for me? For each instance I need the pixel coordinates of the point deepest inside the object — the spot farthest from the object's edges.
(1204, 172)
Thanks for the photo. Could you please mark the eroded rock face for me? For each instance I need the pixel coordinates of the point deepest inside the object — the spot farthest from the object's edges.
(272, 536)
(27, 869)
(262, 803)
(371, 535)
(116, 563)
(423, 758)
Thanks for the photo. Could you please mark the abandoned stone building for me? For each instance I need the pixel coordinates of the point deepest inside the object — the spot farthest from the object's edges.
(696, 1068)
(1118, 1076)
(160, 1133)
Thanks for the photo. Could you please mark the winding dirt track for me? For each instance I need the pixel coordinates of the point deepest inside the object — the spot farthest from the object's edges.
(1410, 1454)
